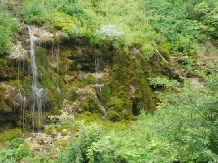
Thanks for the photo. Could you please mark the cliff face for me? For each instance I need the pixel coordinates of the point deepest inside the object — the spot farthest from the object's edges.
(76, 77)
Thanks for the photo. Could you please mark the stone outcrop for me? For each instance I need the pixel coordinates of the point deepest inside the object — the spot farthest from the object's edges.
(77, 78)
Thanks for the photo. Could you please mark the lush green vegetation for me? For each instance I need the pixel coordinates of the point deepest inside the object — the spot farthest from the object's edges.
(182, 23)
(149, 23)
(184, 126)
(8, 29)
(10, 134)
(183, 129)
(17, 150)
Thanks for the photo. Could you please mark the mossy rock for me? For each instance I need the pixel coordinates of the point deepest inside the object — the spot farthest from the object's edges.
(73, 95)
(104, 95)
(88, 117)
(89, 80)
(9, 134)
(116, 103)
(3, 106)
(91, 104)
(113, 116)
(164, 50)
(7, 71)
(63, 62)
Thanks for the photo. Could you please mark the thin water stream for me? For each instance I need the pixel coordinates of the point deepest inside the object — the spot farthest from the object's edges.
(36, 91)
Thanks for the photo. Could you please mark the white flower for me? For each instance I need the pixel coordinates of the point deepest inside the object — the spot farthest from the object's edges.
(110, 31)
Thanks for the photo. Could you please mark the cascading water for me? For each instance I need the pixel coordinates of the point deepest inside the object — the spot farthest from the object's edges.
(98, 62)
(98, 85)
(56, 53)
(22, 98)
(22, 101)
(37, 92)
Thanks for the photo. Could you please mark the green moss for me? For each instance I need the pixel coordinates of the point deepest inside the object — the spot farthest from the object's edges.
(8, 71)
(62, 143)
(91, 104)
(119, 83)
(50, 81)
(89, 117)
(90, 80)
(63, 62)
(116, 103)
(104, 95)
(3, 106)
(73, 95)
(113, 115)
(143, 95)
(9, 134)
(164, 50)
(85, 106)
(42, 58)
(52, 29)
(128, 81)
(3, 63)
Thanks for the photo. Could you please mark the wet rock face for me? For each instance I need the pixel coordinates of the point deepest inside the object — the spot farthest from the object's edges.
(85, 100)
(9, 107)
(76, 77)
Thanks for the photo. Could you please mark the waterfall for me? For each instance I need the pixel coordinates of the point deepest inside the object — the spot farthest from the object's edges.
(98, 62)
(36, 91)
(56, 50)
(22, 100)
(98, 85)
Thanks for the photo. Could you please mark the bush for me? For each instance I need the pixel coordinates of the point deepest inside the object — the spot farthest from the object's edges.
(18, 150)
(179, 131)
(33, 11)
(8, 28)
(16, 142)
(77, 147)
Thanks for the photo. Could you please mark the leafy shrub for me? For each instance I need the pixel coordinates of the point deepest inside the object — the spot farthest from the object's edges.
(16, 142)
(174, 21)
(6, 155)
(60, 122)
(162, 82)
(8, 28)
(77, 148)
(63, 21)
(177, 132)
(18, 150)
(209, 13)
(33, 11)
(21, 151)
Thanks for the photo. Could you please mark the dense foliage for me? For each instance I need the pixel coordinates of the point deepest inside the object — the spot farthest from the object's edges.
(8, 29)
(149, 23)
(184, 126)
(183, 129)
